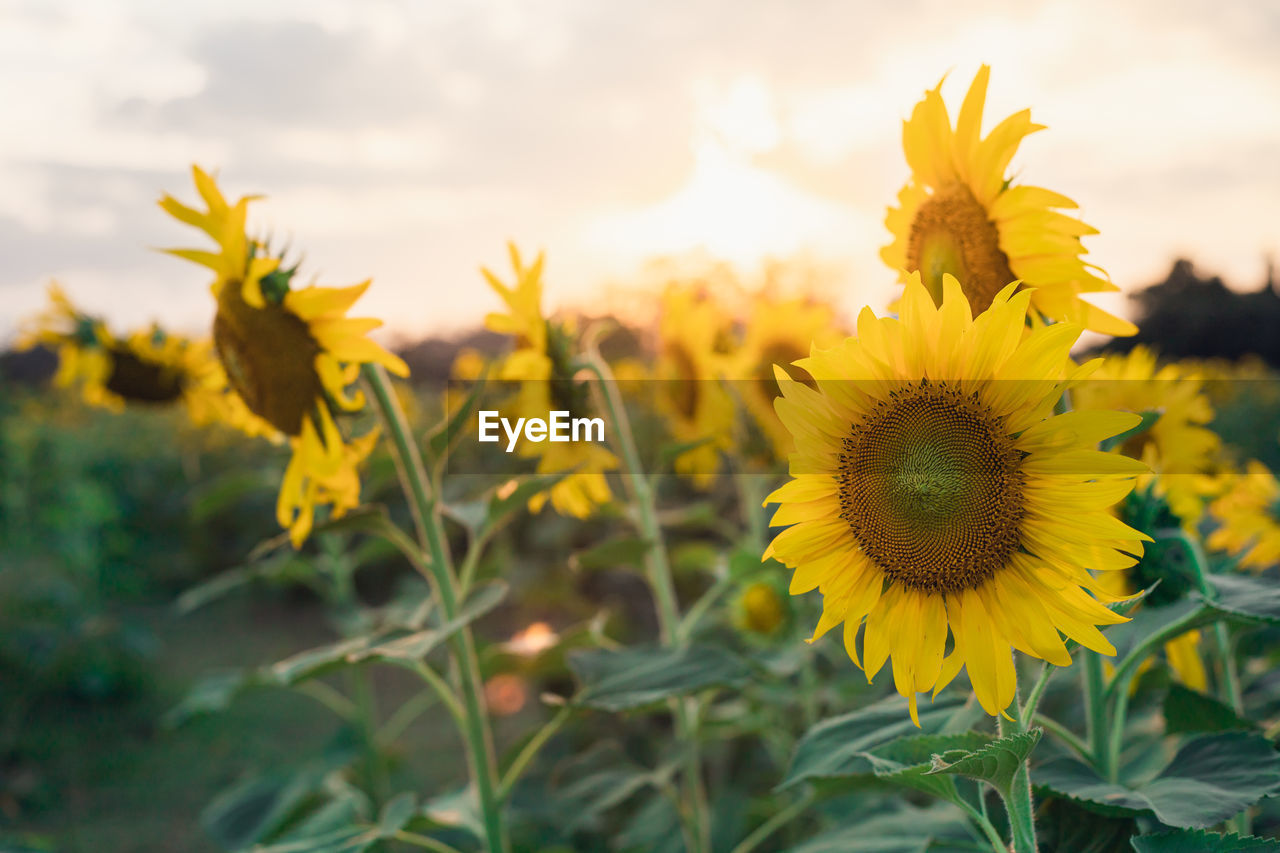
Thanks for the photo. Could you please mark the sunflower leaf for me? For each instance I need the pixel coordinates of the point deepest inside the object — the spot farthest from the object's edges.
(1211, 778)
(446, 433)
(635, 677)
(1199, 841)
(1253, 599)
(996, 763)
(624, 551)
(1187, 710)
(839, 746)
(909, 761)
(910, 830)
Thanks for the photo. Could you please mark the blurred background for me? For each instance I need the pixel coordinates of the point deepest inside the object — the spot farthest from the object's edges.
(407, 142)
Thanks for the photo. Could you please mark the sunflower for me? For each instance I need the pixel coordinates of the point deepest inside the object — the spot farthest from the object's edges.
(1178, 447)
(1248, 517)
(778, 331)
(290, 354)
(541, 365)
(695, 339)
(960, 214)
(149, 367)
(933, 492)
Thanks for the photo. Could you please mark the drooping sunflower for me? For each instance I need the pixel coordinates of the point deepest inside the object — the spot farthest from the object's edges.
(695, 340)
(933, 493)
(960, 214)
(778, 331)
(541, 365)
(290, 353)
(1248, 517)
(1178, 447)
(147, 367)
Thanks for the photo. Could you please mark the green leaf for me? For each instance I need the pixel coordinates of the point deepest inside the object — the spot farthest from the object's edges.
(254, 810)
(1064, 826)
(459, 809)
(910, 830)
(1254, 599)
(212, 693)
(446, 433)
(1211, 778)
(595, 781)
(633, 678)
(910, 761)
(338, 826)
(373, 520)
(1199, 841)
(405, 649)
(839, 746)
(1187, 710)
(625, 551)
(654, 828)
(396, 813)
(504, 503)
(229, 490)
(996, 763)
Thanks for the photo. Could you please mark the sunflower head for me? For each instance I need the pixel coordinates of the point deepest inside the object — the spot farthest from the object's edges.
(290, 353)
(929, 478)
(542, 367)
(1248, 517)
(960, 214)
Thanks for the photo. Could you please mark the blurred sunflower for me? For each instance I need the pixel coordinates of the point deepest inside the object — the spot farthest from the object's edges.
(778, 331)
(1248, 517)
(695, 339)
(542, 366)
(290, 354)
(148, 367)
(959, 214)
(932, 491)
(1178, 447)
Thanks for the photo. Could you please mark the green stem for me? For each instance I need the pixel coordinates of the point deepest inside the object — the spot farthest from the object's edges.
(1115, 743)
(658, 573)
(406, 837)
(1229, 683)
(366, 721)
(1095, 708)
(773, 824)
(403, 717)
(1140, 652)
(984, 823)
(1022, 821)
(1028, 709)
(431, 537)
(1065, 735)
(531, 748)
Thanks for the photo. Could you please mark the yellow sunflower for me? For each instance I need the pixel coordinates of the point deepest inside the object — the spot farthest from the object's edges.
(291, 354)
(695, 337)
(1178, 448)
(147, 367)
(1248, 517)
(778, 331)
(933, 491)
(960, 214)
(541, 365)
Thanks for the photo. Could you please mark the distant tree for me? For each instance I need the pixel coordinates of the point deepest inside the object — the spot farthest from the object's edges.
(1189, 316)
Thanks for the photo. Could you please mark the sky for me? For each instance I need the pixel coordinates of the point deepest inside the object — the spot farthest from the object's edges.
(408, 141)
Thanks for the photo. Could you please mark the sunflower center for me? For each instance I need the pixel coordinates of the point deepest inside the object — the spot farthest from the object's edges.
(269, 355)
(952, 234)
(931, 485)
(142, 381)
(684, 388)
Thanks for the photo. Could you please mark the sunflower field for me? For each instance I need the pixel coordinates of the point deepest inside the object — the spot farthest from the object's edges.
(944, 578)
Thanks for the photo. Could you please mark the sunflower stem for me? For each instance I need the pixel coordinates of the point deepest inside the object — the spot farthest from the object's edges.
(1095, 708)
(658, 573)
(1022, 822)
(431, 538)
(1229, 681)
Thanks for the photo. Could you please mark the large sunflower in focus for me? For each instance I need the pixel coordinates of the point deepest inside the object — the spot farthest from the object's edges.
(291, 354)
(778, 331)
(934, 493)
(1248, 517)
(695, 339)
(1178, 447)
(959, 214)
(148, 367)
(541, 365)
